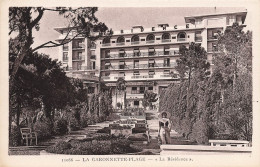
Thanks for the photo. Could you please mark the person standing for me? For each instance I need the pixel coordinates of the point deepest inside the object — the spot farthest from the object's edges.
(164, 127)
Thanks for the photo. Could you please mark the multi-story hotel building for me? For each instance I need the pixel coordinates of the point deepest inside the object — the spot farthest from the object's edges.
(144, 57)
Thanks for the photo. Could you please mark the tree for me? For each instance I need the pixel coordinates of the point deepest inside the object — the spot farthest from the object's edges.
(22, 21)
(192, 60)
(149, 98)
(121, 86)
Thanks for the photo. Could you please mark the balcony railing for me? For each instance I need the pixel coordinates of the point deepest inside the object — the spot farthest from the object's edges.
(106, 44)
(198, 39)
(150, 41)
(93, 57)
(166, 40)
(165, 76)
(105, 77)
(135, 42)
(119, 77)
(80, 46)
(142, 54)
(120, 44)
(78, 58)
(181, 39)
(141, 66)
(81, 68)
(212, 38)
(65, 48)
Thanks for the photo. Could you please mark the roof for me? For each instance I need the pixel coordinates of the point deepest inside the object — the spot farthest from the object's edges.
(214, 14)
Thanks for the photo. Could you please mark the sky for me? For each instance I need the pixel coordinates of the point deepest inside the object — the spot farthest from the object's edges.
(124, 18)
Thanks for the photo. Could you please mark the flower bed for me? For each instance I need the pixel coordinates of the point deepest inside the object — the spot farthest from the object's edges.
(103, 145)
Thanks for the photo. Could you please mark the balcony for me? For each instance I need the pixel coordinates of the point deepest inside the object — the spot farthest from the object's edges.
(120, 44)
(166, 40)
(135, 43)
(106, 44)
(212, 38)
(78, 58)
(150, 41)
(198, 39)
(105, 77)
(165, 76)
(141, 66)
(123, 77)
(77, 47)
(93, 57)
(141, 54)
(65, 48)
(181, 39)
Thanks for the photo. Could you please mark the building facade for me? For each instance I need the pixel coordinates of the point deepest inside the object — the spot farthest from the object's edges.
(144, 57)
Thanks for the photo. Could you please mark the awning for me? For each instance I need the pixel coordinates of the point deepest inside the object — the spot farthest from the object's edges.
(107, 64)
(121, 51)
(151, 72)
(136, 73)
(136, 50)
(167, 49)
(121, 63)
(151, 60)
(151, 50)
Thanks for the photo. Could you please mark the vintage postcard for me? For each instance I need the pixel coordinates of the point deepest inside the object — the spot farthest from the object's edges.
(129, 83)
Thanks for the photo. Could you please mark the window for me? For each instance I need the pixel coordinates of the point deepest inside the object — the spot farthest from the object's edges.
(181, 36)
(150, 88)
(107, 53)
(136, 63)
(107, 73)
(120, 40)
(121, 65)
(121, 53)
(93, 65)
(136, 103)
(136, 73)
(92, 52)
(166, 72)
(134, 90)
(93, 45)
(142, 89)
(136, 52)
(65, 56)
(121, 74)
(106, 40)
(151, 63)
(166, 62)
(80, 56)
(79, 66)
(150, 38)
(135, 38)
(66, 47)
(198, 37)
(166, 36)
(166, 50)
(151, 52)
(151, 72)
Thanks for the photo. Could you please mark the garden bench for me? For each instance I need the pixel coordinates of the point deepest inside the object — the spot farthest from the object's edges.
(229, 143)
(27, 135)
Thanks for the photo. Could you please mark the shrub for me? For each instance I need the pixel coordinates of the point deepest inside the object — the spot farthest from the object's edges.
(43, 129)
(73, 124)
(139, 130)
(84, 120)
(138, 137)
(104, 130)
(15, 137)
(200, 132)
(101, 145)
(113, 117)
(61, 126)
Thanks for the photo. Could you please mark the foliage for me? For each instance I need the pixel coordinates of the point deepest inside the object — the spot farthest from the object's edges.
(217, 106)
(15, 137)
(43, 128)
(61, 126)
(149, 98)
(102, 146)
